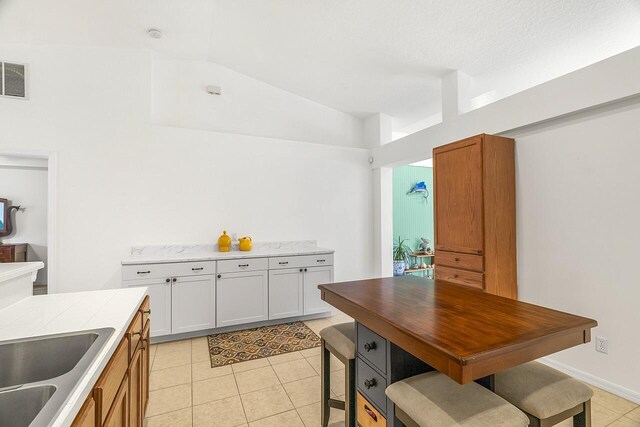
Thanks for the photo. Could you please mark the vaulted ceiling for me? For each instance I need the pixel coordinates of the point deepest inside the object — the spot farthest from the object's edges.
(357, 56)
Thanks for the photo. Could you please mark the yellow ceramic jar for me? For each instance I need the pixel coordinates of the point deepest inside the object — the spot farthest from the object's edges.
(245, 243)
(224, 242)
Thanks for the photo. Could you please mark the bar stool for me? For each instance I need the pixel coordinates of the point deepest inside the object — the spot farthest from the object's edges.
(339, 340)
(547, 396)
(435, 400)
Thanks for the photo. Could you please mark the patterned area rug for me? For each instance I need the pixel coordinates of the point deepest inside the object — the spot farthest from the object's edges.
(233, 347)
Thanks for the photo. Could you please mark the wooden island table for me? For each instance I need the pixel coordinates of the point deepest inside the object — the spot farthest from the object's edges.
(410, 325)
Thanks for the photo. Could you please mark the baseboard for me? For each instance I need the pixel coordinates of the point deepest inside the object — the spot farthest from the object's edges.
(616, 389)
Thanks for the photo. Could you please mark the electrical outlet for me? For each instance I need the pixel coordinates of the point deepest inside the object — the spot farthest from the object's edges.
(602, 345)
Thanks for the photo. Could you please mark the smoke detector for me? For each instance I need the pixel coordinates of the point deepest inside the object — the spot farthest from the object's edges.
(155, 33)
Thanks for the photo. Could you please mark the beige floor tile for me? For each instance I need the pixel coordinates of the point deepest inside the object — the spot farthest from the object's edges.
(170, 377)
(264, 403)
(294, 370)
(203, 371)
(181, 418)
(256, 379)
(566, 423)
(286, 357)
(342, 318)
(251, 364)
(170, 360)
(200, 355)
(286, 419)
(169, 400)
(304, 392)
(200, 342)
(318, 324)
(337, 382)
(625, 422)
(221, 413)
(634, 415)
(611, 401)
(601, 416)
(334, 365)
(214, 389)
(310, 352)
(310, 415)
(169, 347)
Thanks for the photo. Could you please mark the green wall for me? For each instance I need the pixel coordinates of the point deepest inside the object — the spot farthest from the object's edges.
(412, 215)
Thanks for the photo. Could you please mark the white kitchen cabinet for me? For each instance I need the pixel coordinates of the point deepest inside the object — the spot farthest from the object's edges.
(193, 303)
(314, 276)
(242, 297)
(286, 293)
(160, 302)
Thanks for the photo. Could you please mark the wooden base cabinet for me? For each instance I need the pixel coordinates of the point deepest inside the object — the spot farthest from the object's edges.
(367, 414)
(121, 394)
(475, 214)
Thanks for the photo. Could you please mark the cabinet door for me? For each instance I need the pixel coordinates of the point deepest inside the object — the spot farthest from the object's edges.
(119, 414)
(135, 389)
(458, 196)
(285, 293)
(87, 415)
(160, 302)
(242, 298)
(146, 366)
(314, 276)
(193, 302)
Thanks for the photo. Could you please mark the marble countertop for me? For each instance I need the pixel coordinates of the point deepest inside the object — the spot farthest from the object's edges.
(12, 270)
(77, 311)
(162, 254)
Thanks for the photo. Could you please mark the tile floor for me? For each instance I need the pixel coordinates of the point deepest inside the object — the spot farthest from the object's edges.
(278, 391)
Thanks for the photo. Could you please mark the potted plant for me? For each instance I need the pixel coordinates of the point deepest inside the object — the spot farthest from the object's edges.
(400, 256)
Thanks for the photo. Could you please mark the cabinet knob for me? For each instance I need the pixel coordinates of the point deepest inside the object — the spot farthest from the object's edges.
(168, 280)
(219, 276)
(370, 383)
(306, 269)
(174, 280)
(301, 270)
(370, 346)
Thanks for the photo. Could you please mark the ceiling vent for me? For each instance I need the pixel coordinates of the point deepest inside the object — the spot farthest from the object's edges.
(13, 80)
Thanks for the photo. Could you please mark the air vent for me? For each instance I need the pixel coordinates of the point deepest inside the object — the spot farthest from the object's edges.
(13, 80)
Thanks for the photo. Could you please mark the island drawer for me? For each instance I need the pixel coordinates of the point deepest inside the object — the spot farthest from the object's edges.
(243, 264)
(372, 347)
(461, 277)
(367, 414)
(300, 261)
(371, 384)
(463, 261)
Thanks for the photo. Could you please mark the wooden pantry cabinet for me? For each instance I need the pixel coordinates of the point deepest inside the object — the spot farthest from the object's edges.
(121, 394)
(475, 206)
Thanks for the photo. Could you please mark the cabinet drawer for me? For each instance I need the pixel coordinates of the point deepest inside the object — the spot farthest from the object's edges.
(109, 383)
(173, 269)
(196, 268)
(372, 347)
(246, 264)
(145, 309)
(371, 384)
(461, 277)
(300, 261)
(459, 260)
(367, 414)
(135, 333)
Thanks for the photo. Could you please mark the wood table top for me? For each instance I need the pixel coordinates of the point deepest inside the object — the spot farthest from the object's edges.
(463, 332)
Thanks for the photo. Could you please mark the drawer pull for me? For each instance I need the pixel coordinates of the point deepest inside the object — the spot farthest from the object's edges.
(136, 333)
(243, 265)
(370, 383)
(197, 269)
(370, 346)
(371, 413)
(283, 262)
(320, 260)
(147, 311)
(144, 272)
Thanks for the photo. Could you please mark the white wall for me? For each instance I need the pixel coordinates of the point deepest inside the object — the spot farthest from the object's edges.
(27, 187)
(246, 106)
(122, 181)
(578, 205)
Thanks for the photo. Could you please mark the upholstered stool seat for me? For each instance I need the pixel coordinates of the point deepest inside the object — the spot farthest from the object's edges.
(548, 396)
(435, 400)
(339, 340)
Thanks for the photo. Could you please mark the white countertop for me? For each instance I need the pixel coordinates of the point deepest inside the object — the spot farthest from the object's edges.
(212, 255)
(77, 311)
(11, 270)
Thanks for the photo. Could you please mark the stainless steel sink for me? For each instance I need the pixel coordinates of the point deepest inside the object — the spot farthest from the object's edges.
(37, 375)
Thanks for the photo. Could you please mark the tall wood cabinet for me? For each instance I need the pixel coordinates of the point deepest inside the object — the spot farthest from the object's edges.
(475, 205)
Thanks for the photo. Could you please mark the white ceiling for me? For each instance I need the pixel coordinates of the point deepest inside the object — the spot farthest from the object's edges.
(357, 56)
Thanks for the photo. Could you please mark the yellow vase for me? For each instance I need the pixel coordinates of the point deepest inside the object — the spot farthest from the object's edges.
(224, 242)
(245, 243)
